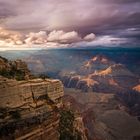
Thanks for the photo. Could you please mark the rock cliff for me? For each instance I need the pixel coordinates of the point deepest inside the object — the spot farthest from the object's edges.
(32, 109)
(29, 109)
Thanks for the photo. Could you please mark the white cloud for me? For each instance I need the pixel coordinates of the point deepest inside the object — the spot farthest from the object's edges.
(89, 37)
(56, 38)
(36, 38)
(10, 37)
(63, 37)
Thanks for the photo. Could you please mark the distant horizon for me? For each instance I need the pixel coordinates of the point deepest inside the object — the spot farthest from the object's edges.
(66, 48)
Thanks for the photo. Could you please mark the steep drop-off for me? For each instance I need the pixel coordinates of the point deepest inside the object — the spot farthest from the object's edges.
(29, 109)
(32, 108)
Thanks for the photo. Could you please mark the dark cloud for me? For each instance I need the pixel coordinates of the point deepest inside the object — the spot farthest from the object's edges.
(124, 1)
(102, 17)
(6, 11)
(120, 1)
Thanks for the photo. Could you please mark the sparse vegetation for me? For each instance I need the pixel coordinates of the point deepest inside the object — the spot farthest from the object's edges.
(66, 126)
(19, 75)
(43, 76)
(11, 70)
(5, 73)
(13, 73)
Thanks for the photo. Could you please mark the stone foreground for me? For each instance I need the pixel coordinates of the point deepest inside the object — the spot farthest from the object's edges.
(29, 109)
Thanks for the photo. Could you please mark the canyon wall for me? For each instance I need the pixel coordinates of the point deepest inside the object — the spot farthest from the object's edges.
(29, 109)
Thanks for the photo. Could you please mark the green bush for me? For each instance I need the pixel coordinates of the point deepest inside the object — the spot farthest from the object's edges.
(19, 75)
(4, 73)
(13, 73)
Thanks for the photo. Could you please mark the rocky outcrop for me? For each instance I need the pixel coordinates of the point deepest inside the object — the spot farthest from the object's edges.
(4, 63)
(29, 109)
(14, 69)
(116, 70)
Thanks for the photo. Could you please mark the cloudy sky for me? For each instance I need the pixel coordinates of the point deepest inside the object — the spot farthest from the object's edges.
(63, 23)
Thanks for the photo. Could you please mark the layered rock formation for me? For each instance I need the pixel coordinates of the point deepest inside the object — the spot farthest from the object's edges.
(104, 76)
(98, 62)
(29, 109)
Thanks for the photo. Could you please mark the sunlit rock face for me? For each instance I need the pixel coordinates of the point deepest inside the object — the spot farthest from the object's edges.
(137, 88)
(98, 62)
(29, 109)
(103, 75)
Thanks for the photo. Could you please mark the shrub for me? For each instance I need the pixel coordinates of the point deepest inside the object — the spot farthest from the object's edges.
(13, 73)
(43, 76)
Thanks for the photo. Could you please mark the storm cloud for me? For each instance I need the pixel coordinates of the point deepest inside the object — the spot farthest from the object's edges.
(116, 18)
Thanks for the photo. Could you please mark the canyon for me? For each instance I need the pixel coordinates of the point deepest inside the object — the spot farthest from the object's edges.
(106, 116)
(99, 74)
(99, 100)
